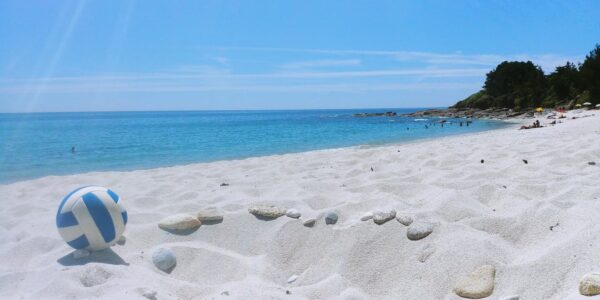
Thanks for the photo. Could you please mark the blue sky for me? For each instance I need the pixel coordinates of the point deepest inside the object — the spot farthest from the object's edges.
(183, 55)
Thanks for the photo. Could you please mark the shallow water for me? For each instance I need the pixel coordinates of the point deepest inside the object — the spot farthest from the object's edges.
(39, 144)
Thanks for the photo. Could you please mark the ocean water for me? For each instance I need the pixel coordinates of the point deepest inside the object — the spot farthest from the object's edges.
(38, 144)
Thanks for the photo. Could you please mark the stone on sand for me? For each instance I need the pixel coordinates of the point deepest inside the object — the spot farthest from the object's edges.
(293, 213)
(382, 217)
(479, 284)
(164, 259)
(404, 220)
(589, 285)
(179, 222)
(266, 211)
(292, 278)
(511, 297)
(417, 231)
(309, 222)
(210, 216)
(331, 218)
(367, 216)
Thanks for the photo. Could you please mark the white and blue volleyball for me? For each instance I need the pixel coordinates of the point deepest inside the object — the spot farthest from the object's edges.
(91, 217)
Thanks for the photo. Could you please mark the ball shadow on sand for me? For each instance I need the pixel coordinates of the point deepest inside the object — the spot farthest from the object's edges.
(106, 256)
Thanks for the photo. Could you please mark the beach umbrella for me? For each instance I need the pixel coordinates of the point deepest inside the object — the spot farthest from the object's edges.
(539, 109)
(587, 104)
(598, 105)
(577, 105)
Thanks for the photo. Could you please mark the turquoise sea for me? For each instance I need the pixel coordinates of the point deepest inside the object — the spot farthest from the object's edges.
(38, 144)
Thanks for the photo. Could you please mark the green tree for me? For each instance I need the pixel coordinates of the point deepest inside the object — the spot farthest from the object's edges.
(590, 72)
(566, 82)
(516, 84)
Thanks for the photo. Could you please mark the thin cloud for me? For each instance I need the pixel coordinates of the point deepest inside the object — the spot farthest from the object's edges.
(321, 63)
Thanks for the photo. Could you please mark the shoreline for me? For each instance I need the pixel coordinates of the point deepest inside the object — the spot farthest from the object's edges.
(486, 205)
(508, 123)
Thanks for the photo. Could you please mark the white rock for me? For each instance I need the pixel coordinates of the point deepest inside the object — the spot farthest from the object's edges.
(309, 222)
(381, 217)
(210, 216)
(164, 259)
(589, 285)
(512, 297)
(179, 222)
(479, 284)
(293, 213)
(404, 220)
(81, 253)
(367, 216)
(292, 278)
(266, 211)
(418, 231)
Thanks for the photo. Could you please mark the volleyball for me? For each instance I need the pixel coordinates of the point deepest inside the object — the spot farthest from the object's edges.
(91, 217)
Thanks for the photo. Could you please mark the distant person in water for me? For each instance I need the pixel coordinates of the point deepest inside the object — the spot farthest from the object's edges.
(72, 149)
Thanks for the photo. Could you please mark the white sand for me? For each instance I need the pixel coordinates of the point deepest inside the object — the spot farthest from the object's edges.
(497, 213)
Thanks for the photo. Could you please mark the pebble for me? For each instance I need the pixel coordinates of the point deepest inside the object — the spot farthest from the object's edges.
(512, 297)
(309, 222)
(122, 240)
(266, 211)
(589, 285)
(293, 213)
(479, 284)
(292, 278)
(417, 231)
(591, 163)
(179, 222)
(425, 253)
(94, 275)
(381, 217)
(367, 216)
(81, 253)
(331, 218)
(404, 220)
(164, 259)
(210, 216)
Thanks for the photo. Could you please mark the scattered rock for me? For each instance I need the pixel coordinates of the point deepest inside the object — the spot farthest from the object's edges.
(292, 278)
(417, 231)
(266, 212)
(554, 226)
(225, 293)
(310, 222)
(511, 297)
(525, 161)
(224, 184)
(122, 240)
(164, 259)
(331, 218)
(179, 222)
(479, 284)
(382, 217)
(81, 253)
(589, 285)
(367, 216)
(293, 213)
(482, 161)
(210, 217)
(94, 275)
(591, 163)
(404, 220)
(288, 292)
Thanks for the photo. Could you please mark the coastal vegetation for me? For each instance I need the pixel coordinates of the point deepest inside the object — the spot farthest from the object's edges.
(521, 85)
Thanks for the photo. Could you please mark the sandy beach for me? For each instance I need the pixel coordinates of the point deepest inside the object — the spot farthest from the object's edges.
(523, 201)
